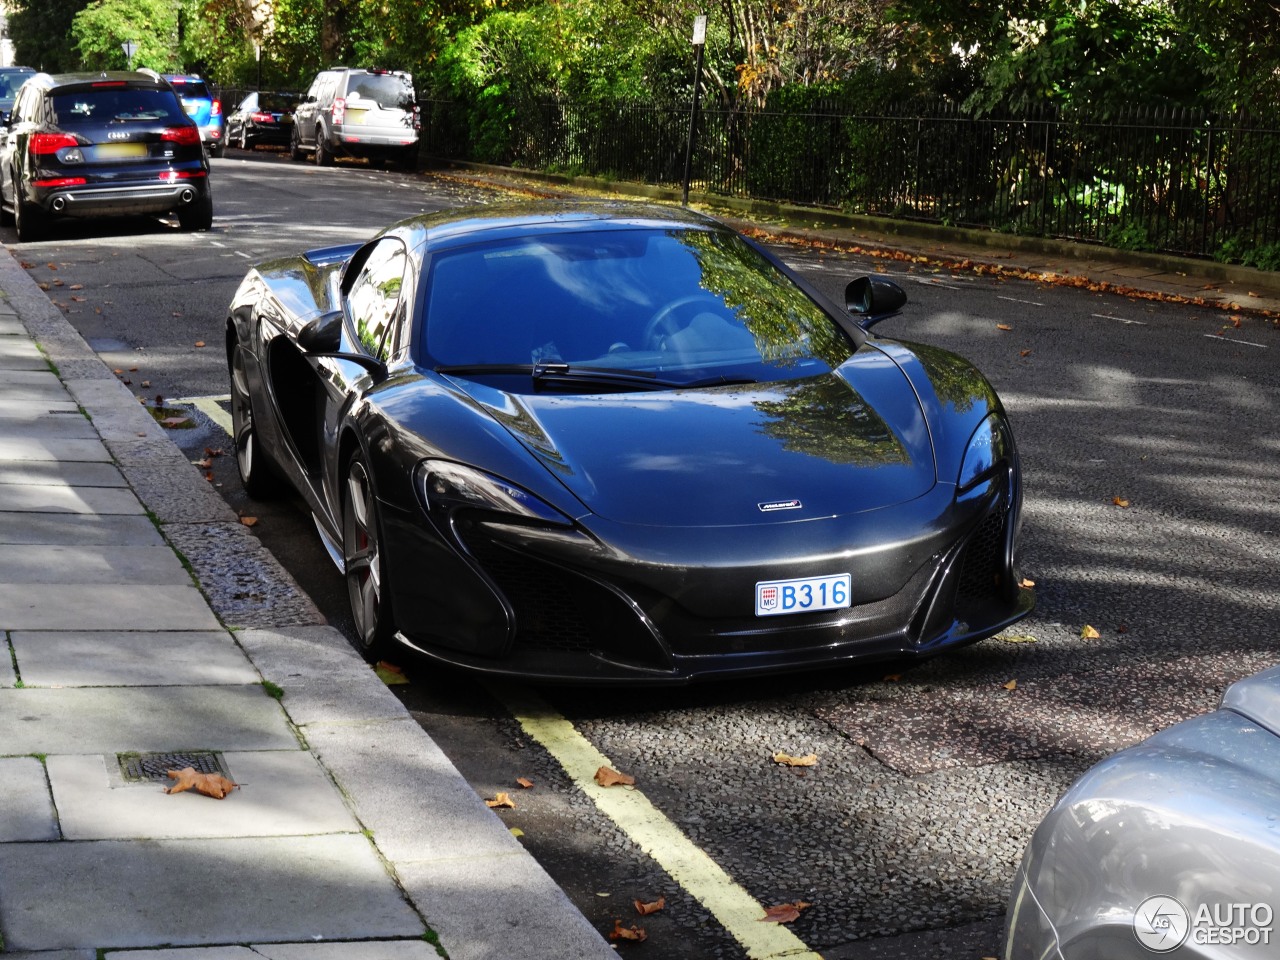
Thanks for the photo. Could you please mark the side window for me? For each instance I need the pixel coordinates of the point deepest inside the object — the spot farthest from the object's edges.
(25, 107)
(374, 301)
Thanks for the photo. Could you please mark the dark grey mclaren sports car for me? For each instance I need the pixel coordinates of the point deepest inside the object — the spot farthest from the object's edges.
(622, 443)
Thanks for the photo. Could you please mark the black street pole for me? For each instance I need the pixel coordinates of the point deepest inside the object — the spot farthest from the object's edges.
(693, 119)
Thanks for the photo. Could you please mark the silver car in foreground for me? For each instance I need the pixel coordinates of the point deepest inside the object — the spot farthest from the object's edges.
(1169, 847)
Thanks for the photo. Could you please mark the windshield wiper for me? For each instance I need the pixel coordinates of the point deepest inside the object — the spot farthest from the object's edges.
(549, 373)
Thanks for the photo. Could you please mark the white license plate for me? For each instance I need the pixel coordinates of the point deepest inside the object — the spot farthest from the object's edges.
(804, 595)
(120, 151)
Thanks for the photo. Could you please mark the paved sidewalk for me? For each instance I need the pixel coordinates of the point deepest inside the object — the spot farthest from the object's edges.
(352, 836)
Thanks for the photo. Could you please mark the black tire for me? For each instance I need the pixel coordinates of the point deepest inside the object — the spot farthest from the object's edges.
(29, 220)
(376, 163)
(324, 158)
(257, 474)
(197, 215)
(245, 142)
(295, 146)
(408, 158)
(363, 561)
(216, 149)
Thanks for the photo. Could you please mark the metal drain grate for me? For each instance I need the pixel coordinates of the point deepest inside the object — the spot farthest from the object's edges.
(138, 767)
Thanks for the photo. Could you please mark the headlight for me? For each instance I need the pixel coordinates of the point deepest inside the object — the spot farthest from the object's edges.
(447, 486)
(989, 446)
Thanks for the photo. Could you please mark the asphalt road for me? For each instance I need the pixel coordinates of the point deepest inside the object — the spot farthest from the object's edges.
(1152, 513)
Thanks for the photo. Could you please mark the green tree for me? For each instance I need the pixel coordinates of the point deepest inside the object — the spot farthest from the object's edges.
(39, 30)
(100, 29)
(216, 39)
(1102, 53)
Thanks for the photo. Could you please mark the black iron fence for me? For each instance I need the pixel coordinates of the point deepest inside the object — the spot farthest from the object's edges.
(1166, 179)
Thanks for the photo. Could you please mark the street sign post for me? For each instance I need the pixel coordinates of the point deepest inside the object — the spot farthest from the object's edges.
(699, 42)
(129, 48)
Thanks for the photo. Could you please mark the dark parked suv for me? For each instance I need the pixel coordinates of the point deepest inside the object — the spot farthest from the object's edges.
(101, 144)
(357, 113)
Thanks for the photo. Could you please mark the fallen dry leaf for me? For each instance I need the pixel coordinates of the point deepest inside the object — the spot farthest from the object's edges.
(784, 912)
(52, 266)
(249, 521)
(199, 343)
(1017, 638)
(1024, 353)
(1011, 685)
(892, 677)
(524, 782)
(210, 784)
(644, 909)
(173, 421)
(1024, 582)
(1003, 326)
(77, 286)
(501, 800)
(786, 760)
(609, 777)
(1120, 501)
(632, 932)
(1089, 633)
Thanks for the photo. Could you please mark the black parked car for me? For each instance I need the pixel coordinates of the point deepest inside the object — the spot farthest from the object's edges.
(101, 144)
(261, 118)
(623, 443)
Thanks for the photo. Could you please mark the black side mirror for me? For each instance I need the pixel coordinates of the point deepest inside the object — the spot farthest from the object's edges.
(322, 337)
(873, 299)
(323, 334)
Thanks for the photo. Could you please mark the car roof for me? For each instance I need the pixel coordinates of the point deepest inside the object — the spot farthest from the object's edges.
(133, 78)
(441, 230)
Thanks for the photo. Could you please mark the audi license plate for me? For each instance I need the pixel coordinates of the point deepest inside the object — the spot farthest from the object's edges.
(119, 151)
(804, 595)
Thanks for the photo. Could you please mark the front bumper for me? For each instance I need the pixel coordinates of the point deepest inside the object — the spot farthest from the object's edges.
(518, 606)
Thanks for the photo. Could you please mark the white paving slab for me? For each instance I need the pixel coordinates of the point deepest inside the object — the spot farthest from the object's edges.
(73, 474)
(282, 793)
(74, 529)
(141, 719)
(41, 563)
(26, 809)
(23, 385)
(120, 893)
(30, 409)
(61, 426)
(33, 498)
(65, 606)
(130, 658)
(35, 448)
(416, 949)
(18, 353)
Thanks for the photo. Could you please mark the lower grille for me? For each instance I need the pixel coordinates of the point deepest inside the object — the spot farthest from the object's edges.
(982, 567)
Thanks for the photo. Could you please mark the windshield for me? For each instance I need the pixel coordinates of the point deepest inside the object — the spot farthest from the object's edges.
(388, 90)
(115, 104)
(274, 103)
(683, 307)
(192, 89)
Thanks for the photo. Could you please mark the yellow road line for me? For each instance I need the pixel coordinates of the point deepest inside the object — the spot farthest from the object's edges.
(210, 408)
(734, 909)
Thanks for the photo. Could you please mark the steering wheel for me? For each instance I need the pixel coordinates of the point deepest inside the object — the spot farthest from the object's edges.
(663, 323)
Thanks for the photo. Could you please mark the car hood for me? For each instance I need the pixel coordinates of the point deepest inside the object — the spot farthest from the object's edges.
(765, 453)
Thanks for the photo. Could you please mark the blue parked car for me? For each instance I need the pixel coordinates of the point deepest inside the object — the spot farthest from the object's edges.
(202, 107)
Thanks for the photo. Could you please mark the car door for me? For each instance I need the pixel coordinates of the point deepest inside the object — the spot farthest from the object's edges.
(14, 138)
(377, 302)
